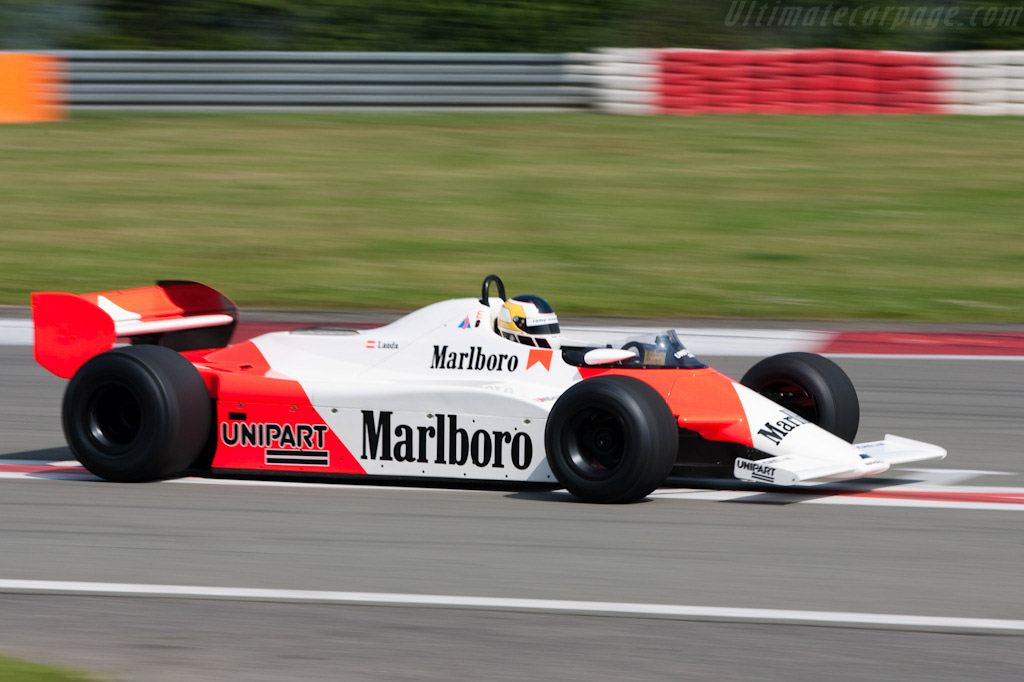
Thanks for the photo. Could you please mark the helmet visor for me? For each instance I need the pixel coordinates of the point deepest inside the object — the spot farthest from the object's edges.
(541, 329)
(543, 323)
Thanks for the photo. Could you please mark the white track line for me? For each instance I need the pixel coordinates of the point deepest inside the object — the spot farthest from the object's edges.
(502, 603)
(701, 341)
(720, 342)
(14, 332)
(782, 497)
(900, 356)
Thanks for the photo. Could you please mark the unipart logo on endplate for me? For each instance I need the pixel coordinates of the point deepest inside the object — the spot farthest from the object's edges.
(775, 432)
(762, 470)
(443, 443)
(473, 359)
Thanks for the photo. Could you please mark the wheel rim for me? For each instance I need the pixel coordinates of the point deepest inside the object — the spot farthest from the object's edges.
(793, 397)
(115, 417)
(595, 440)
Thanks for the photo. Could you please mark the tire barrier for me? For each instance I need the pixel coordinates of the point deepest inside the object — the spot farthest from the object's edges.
(820, 81)
(611, 80)
(986, 82)
(625, 81)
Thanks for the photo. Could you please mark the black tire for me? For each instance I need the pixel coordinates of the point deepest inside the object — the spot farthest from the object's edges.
(137, 413)
(611, 439)
(812, 386)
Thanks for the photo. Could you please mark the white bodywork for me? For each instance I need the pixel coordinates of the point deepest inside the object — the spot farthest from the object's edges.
(445, 362)
(395, 370)
(808, 452)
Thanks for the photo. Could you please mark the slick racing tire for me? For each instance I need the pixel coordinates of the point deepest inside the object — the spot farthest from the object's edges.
(137, 413)
(611, 439)
(813, 387)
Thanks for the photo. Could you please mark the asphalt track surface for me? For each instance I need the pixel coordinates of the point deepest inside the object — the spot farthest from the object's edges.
(756, 550)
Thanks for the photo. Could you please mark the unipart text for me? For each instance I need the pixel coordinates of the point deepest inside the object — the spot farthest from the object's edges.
(755, 468)
(270, 435)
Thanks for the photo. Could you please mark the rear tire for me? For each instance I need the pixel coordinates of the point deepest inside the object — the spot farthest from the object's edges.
(813, 387)
(611, 439)
(137, 413)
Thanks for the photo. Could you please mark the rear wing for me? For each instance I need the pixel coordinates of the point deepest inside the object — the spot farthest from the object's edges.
(71, 328)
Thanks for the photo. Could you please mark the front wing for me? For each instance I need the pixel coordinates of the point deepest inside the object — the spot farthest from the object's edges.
(876, 457)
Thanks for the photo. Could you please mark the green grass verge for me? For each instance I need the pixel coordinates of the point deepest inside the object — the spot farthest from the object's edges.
(782, 217)
(13, 670)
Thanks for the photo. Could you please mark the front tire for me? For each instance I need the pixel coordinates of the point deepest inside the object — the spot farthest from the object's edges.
(611, 439)
(813, 387)
(137, 413)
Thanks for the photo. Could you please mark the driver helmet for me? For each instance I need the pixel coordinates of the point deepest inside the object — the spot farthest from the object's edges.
(529, 320)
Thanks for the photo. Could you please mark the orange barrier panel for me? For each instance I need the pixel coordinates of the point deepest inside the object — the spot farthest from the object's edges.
(30, 88)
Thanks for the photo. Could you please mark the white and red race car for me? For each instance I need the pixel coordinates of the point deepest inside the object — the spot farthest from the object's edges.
(441, 393)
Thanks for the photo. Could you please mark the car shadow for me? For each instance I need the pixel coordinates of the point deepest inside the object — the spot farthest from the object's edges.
(776, 495)
(58, 454)
(47, 463)
(759, 493)
(371, 481)
(558, 496)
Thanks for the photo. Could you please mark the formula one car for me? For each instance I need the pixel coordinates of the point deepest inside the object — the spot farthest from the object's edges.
(481, 389)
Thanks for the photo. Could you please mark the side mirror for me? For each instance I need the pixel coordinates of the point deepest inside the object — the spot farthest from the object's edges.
(606, 356)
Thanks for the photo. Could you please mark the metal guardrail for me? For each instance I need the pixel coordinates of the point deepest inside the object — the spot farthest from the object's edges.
(323, 81)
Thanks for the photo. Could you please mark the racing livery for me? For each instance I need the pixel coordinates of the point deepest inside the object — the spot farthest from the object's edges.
(481, 389)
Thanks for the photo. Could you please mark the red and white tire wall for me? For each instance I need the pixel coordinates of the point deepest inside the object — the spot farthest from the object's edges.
(625, 81)
(814, 81)
(986, 82)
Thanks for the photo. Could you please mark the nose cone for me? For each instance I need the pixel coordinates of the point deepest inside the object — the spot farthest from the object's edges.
(777, 431)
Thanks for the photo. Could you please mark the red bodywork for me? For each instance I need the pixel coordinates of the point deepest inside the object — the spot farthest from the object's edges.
(247, 390)
(250, 395)
(702, 400)
(71, 328)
